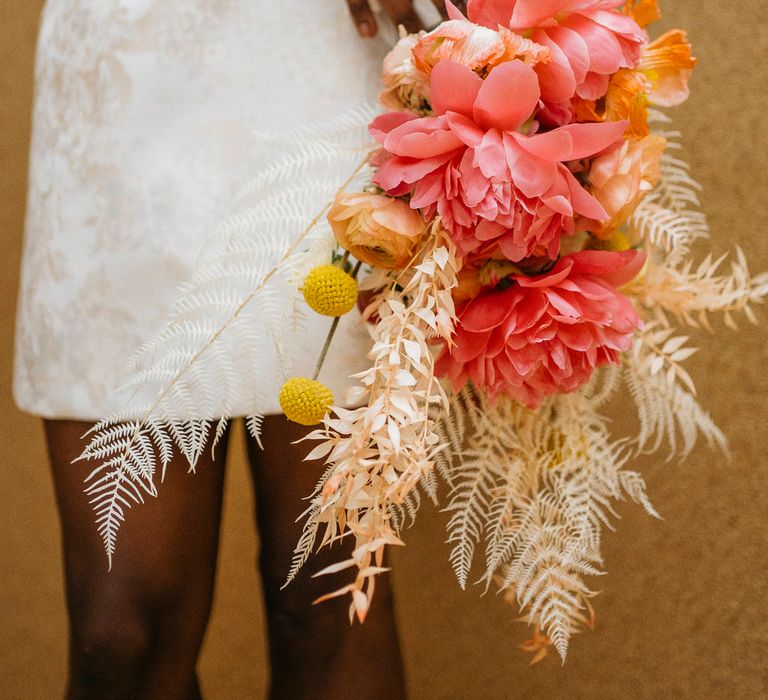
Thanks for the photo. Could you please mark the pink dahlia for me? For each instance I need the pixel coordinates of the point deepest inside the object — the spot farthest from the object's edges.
(546, 334)
(589, 40)
(491, 183)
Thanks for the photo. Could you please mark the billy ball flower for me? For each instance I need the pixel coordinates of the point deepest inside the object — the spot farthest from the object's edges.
(330, 291)
(305, 401)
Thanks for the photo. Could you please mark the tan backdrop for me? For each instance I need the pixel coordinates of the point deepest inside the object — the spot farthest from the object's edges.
(682, 613)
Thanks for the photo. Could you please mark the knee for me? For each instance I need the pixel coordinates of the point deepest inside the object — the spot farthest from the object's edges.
(109, 656)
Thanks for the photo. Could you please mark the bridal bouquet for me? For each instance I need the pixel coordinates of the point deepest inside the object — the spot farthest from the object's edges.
(522, 243)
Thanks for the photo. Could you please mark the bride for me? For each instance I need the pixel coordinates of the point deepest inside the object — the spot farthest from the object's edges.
(142, 113)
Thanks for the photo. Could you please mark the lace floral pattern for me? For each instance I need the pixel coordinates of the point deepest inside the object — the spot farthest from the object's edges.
(143, 118)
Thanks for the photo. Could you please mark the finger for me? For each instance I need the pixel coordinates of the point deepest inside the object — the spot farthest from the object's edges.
(363, 18)
(402, 12)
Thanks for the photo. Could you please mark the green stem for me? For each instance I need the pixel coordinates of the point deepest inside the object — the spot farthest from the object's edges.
(334, 326)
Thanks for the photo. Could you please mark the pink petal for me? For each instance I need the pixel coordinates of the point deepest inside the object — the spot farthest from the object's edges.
(487, 311)
(557, 274)
(620, 24)
(465, 129)
(425, 145)
(453, 11)
(594, 87)
(532, 175)
(555, 145)
(559, 203)
(532, 13)
(387, 122)
(398, 170)
(489, 230)
(507, 97)
(490, 155)
(454, 88)
(605, 52)
(590, 139)
(574, 47)
(583, 202)
(556, 77)
(562, 304)
(616, 268)
(489, 13)
(470, 345)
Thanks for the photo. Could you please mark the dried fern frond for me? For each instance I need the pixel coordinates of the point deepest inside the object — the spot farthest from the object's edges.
(538, 486)
(692, 295)
(668, 413)
(205, 365)
(669, 217)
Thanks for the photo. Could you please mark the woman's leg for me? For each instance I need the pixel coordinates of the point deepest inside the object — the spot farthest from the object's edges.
(135, 632)
(314, 651)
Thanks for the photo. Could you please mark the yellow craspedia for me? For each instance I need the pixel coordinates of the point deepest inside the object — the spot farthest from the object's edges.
(305, 401)
(330, 291)
(617, 241)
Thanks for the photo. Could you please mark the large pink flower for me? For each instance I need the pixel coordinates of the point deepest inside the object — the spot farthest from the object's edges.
(471, 164)
(589, 41)
(546, 334)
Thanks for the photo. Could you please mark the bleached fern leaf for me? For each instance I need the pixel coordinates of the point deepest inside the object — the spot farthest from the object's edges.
(669, 217)
(692, 295)
(469, 504)
(206, 364)
(538, 486)
(668, 413)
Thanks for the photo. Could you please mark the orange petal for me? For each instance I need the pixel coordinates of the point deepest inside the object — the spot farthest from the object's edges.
(643, 11)
(668, 63)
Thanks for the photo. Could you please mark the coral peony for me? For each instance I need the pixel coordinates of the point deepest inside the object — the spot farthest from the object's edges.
(589, 40)
(405, 86)
(620, 178)
(377, 230)
(545, 334)
(668, 63)
(492, 184)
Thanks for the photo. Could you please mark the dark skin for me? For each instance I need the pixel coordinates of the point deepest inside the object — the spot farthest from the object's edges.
(136, 632)
(401, 12)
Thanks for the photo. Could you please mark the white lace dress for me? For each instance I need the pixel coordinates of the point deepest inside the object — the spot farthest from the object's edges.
(142, 123)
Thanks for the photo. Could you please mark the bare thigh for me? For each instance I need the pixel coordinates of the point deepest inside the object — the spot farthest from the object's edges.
(315, 652)
(136, 631)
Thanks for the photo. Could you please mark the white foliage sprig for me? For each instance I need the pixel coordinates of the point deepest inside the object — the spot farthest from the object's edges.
(537, 487)
(691, 294)
(377, 454)
(669, 218)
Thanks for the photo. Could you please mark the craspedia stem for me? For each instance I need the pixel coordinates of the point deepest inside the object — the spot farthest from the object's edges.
(334, 326)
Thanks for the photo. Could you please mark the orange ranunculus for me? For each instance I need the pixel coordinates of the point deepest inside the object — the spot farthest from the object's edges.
(643, 11)
(478, 48)
(376, 229)
(627, 98)
(620, 178)
(668, 64)
(405, 86)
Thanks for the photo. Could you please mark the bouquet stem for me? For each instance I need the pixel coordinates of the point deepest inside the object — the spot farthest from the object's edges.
(334, 325)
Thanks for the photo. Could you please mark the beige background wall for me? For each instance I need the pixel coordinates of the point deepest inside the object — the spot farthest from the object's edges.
(683, 609)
